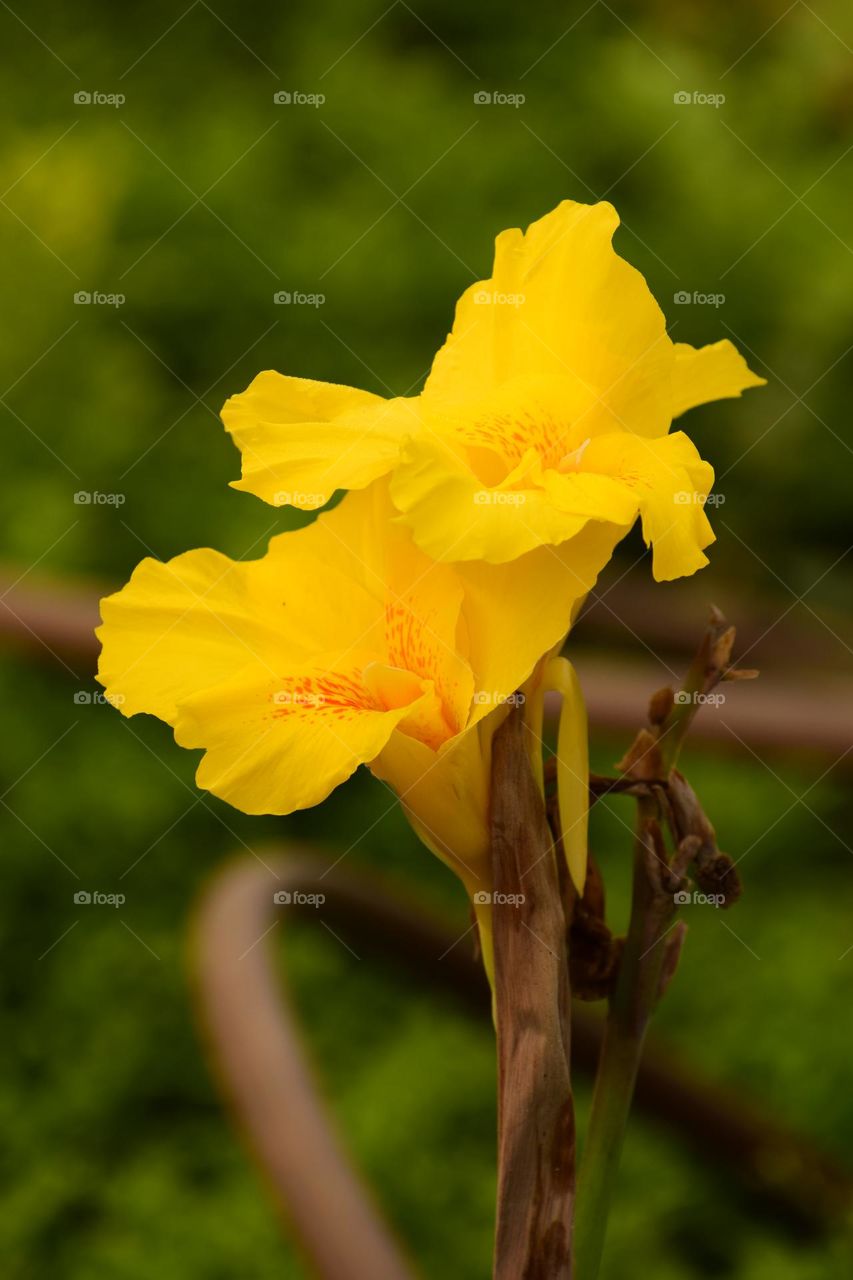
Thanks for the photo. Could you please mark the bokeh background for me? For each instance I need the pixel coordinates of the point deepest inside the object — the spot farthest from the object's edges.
(198, 198)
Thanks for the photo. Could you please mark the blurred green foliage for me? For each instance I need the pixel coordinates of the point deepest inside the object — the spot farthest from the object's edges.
(199, 198)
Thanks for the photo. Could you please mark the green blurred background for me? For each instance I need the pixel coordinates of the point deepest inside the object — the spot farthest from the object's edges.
(197, 199)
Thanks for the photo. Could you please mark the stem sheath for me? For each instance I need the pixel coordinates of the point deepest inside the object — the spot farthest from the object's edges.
(536, 1125)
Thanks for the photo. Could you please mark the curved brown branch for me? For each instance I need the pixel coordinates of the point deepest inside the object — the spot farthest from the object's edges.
(54, 620)
(266, 1076)
(256, 1053)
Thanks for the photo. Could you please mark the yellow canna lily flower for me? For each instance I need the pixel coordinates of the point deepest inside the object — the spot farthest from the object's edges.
(345, 645)
(548, 408)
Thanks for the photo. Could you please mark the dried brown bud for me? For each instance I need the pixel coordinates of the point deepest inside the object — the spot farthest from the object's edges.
(642, 760)
(715, 873)
(660, 705)
(684, 854)
(594, 956)
(721, 651)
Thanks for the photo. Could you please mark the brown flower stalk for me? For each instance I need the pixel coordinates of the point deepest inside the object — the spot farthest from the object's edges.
(536, 1125)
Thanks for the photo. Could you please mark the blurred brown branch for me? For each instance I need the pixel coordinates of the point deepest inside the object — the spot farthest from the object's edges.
(255, 1049)
(787, 712)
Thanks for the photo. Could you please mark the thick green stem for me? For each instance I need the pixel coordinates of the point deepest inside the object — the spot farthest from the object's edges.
(636, 994)
(614, 1089)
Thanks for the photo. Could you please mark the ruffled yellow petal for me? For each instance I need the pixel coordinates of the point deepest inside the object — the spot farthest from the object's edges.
(180, 627)
(561, 303)
(454, 516)
(715, 372)
(419, 600)
(238, 656)
(303, 440)
(526, 417)
(664, 481)
(217, 649)
(278, 743)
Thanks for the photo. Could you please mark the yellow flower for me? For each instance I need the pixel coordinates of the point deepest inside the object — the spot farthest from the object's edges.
(345, 645)
(548, 408)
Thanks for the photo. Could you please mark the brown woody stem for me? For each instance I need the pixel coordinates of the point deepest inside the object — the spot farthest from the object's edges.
(536, 1126)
